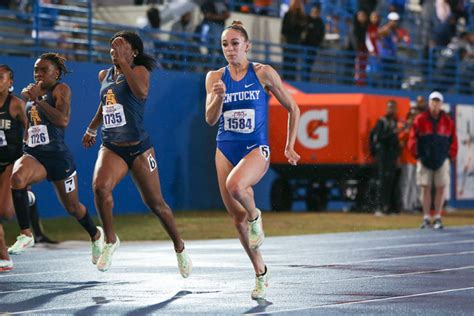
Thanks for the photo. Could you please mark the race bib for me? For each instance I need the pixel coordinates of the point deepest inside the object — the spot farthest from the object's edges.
(3, 138)
(113, 115)
(240, 121)
(38, 135)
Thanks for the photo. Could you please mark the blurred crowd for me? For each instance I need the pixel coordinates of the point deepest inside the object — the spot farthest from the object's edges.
(376, 32)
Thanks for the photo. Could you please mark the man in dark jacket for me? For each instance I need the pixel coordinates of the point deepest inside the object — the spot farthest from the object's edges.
(386, 156)
(433, 142)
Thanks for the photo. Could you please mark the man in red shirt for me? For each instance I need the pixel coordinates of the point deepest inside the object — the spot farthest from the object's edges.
(433, 142)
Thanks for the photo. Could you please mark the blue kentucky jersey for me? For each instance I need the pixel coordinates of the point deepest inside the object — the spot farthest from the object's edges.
(245, 109)
(122, 111)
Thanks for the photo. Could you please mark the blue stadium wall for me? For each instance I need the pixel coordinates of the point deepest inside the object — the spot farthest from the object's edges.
(174, 118)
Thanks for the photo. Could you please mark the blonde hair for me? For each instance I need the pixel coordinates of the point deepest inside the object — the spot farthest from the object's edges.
(297, 5)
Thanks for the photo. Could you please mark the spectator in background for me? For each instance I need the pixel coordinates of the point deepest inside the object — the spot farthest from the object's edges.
(293, 24)
(372, 42)
(458, 9)
(433, 142)
(386, 156)
(409, 191)
(314, 36)
(215, 14)
(421, 104)
(438, 24)
(398, 6)
(466, 47)
(389, 38)
(367, 6)
(358, 39)
(262, 7)
(183, 31)
(154, 22)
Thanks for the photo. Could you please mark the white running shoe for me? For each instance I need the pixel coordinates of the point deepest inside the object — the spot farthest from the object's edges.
(255, 233)
(185, 265)
(22, 243)
(105, 259)
(6, 265)
(98, 246)
(261, 284)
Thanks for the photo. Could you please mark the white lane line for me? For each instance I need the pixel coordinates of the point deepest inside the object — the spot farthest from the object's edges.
(328, 265)
(417, 245)
(376, 300)
(421, 234)
(396, 275)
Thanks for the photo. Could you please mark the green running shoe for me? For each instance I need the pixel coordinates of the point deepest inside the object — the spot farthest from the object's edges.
(261, 284)
(105, 259)
(6, 265)
(22, 243)
(185, 265)
(98, 246)
(256, 234)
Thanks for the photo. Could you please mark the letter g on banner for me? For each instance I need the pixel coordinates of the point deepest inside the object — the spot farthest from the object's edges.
(312, 131)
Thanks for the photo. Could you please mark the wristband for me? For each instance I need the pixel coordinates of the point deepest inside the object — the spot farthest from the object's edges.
(91, 132)
(41, 98)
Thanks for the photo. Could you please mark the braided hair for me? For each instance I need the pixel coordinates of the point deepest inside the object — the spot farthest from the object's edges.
(58, 61)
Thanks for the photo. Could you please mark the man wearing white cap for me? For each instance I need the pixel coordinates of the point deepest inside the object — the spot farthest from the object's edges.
(388, 52)
(433, 142)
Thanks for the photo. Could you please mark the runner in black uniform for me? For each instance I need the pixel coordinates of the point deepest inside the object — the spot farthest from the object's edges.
(12, 123)
(126, 145)
(46, 155)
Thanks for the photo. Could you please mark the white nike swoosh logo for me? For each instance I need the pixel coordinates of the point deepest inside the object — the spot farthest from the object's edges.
(249, 85)
(119, 81)
(248, 147)
(1, 113)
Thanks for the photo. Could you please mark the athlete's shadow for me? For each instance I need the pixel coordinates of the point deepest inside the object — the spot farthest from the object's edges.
(91, 310)
(153, 308)
(55, 290)
(260, 308)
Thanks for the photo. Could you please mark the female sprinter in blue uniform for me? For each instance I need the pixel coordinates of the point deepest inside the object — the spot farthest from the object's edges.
(237, 99)
(46, 155)
(12, 123)
(126, 145)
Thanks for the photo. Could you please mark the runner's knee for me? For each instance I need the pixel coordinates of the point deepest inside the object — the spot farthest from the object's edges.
(101, 189)
(235, 189)
(18, 181)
